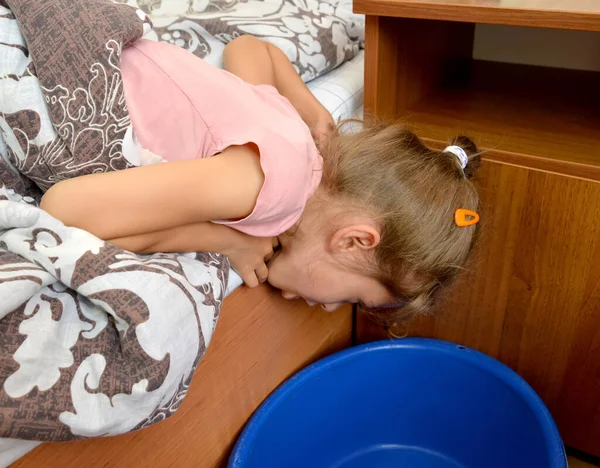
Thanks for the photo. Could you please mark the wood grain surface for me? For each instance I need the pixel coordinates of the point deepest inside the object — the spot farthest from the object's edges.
(583, 15)
(537, 117)
(543, 118)
(407, 59)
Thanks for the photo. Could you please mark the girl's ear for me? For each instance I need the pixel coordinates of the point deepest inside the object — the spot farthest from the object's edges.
(354, 238)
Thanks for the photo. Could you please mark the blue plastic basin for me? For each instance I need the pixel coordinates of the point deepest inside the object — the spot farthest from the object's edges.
(409, 403)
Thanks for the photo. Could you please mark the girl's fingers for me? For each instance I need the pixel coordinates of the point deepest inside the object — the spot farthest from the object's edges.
(262, 273)
(250, 279)
(275, 245)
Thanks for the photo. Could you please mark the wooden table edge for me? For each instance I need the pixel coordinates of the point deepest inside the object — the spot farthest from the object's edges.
(538, 18)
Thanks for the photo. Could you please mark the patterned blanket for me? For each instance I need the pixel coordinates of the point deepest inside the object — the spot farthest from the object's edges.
(316, 35)
(94, 340)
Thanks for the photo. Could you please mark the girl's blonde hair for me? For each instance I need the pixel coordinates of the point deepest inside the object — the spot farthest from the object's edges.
(414, 192)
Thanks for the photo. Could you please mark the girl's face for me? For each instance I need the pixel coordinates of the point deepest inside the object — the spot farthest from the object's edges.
(307, 268)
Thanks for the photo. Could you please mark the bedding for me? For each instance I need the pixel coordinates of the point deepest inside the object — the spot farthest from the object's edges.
(341, 91)
(316, 35)
(88, 346)
(13, 449)
(95, 341)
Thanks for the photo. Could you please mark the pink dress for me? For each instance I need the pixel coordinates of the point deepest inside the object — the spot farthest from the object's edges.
(183, 108)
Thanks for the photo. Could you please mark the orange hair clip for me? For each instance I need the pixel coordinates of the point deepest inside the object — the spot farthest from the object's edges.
(464, 218)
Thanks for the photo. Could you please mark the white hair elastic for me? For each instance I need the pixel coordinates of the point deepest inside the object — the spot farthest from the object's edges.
(460, 154)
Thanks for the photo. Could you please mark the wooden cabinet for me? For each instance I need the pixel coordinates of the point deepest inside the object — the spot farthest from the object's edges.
(531, 295)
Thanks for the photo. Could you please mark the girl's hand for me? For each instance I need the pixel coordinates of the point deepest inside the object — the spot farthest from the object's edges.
(258, 62)
(322, 130)
(249, 256)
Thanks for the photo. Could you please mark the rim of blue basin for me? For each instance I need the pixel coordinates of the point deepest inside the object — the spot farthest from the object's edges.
(556, 451)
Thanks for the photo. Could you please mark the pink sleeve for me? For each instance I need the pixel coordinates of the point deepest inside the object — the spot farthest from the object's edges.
(292, 173)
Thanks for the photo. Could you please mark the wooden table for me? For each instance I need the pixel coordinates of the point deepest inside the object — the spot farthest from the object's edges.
(531, 297)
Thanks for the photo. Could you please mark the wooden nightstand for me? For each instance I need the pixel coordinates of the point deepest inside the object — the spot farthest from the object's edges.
(531, 297)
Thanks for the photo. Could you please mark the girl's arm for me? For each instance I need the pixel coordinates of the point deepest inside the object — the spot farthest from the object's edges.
(153, 198)
(258, 62)
(198, 237)
(247, 255)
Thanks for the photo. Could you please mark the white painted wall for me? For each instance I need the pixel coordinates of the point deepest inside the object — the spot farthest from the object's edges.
(547, 47)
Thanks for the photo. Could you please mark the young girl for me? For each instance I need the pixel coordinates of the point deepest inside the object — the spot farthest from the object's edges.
(371, 217)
